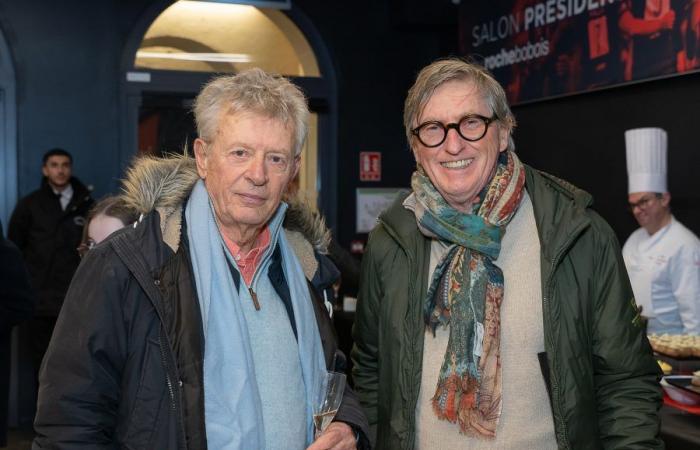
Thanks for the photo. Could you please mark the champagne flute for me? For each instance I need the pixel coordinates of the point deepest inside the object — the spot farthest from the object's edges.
(328, 400)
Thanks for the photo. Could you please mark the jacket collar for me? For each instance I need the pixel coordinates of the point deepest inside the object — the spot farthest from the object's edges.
(80, 198)
(560, 211)
(400, 223)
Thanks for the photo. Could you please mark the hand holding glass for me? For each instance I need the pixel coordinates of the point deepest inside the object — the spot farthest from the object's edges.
(328, 400)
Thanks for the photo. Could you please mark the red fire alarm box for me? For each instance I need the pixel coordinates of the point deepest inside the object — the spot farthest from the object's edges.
(370, 166)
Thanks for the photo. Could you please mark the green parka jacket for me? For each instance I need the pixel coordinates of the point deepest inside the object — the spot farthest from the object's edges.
(601, 376)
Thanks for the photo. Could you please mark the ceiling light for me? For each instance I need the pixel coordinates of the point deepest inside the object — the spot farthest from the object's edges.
(206, 57)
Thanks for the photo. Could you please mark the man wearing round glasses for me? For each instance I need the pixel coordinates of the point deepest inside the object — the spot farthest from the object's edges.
(494, 310)
(458, 175)
(662, 256)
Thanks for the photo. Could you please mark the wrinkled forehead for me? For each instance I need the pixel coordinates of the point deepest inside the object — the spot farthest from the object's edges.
(258, 130)
(457, 96)
(275, 121)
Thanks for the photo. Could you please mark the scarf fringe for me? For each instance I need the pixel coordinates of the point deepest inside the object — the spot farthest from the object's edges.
(459, 400)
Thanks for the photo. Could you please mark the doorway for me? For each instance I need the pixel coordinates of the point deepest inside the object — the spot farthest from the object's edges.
(166, 124)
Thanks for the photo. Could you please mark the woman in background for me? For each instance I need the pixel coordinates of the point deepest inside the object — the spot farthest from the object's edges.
(107, 216)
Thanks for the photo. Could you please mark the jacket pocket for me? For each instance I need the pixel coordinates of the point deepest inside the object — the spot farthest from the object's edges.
(150, 399)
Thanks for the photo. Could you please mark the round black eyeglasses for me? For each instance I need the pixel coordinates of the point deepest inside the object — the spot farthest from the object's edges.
(471, 127)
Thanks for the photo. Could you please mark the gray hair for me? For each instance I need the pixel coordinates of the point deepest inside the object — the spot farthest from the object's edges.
(254, 91)
(444, 70)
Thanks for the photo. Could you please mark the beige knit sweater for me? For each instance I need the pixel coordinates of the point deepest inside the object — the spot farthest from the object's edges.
(526, 419)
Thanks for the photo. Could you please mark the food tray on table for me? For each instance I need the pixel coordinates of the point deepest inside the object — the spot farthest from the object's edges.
(677, 346)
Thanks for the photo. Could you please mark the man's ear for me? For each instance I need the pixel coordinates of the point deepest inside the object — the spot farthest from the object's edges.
(45, 170)
(504, 137)
(200, 155)
(297, 166)
(666, 199)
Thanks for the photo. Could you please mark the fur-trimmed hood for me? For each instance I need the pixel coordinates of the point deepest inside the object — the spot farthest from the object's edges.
(163, 185)
(153, 183)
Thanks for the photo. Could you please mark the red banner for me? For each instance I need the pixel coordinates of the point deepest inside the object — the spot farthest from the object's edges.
(540, 49)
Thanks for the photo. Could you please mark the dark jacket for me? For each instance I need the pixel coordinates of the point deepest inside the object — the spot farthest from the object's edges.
(599, 369)
(16, 296)
(48, 237)
(124, 368)
(16, 304)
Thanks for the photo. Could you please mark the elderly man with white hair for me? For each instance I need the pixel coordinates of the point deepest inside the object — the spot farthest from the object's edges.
(200, 327)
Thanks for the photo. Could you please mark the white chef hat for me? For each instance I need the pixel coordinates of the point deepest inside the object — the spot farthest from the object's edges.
(646, 159)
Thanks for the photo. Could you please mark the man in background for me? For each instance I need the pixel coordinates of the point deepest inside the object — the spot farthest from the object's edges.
(47, 226)
(662, 256)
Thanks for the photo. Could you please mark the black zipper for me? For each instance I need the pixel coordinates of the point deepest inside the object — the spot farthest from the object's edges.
(174, 402)
(163, 359)
(137, 266)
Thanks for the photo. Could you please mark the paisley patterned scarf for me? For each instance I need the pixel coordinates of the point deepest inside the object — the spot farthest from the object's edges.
(466, 292)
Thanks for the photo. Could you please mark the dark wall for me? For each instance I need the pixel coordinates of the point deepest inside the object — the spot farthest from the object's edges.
(581, 138)
(66, 57)
(377, 48)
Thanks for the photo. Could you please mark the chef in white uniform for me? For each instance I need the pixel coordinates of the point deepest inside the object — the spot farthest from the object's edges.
(663, 256)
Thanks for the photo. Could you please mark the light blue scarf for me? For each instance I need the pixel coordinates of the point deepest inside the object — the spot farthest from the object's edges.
(233, 413)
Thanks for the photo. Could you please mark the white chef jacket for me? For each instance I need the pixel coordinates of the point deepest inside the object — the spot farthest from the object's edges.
(664, 269)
